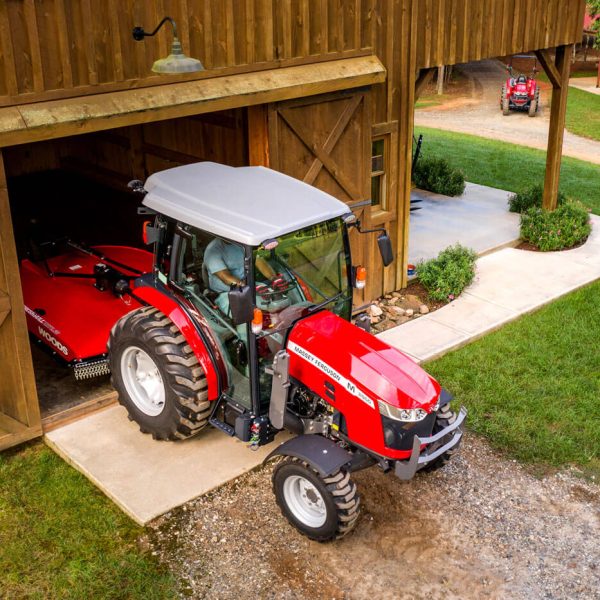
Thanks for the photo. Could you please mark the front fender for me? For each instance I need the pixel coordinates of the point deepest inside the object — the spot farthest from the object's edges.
(183, 322)
(324, 455)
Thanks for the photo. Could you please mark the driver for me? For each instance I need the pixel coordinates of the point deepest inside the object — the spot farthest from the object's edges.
(224, 263)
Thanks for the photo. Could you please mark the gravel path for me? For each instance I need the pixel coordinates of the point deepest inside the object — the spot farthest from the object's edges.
(482, 116)
(482, 527)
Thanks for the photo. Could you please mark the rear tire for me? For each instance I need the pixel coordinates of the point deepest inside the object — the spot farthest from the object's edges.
(321, 508)
(444, 418)
(157, 376)
(533, 107)
(505, 106)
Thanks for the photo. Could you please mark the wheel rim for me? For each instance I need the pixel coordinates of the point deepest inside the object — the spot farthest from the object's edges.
(305, 501)
(143, 381)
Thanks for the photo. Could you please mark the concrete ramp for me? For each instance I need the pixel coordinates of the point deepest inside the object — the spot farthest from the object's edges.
(147, 478)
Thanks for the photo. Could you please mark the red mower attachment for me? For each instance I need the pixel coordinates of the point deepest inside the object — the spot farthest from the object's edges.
(73, 299)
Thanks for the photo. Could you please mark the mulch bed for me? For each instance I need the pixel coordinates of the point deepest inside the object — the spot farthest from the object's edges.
(533, 248)
(401, 306)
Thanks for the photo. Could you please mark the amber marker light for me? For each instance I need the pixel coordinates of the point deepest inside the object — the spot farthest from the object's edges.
(361, 278)
(257, 321)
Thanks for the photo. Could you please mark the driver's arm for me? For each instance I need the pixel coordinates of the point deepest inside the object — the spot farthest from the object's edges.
(227, 278)
(264, 267)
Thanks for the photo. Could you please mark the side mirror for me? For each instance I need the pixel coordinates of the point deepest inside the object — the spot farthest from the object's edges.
(241, 304)
(385, 249)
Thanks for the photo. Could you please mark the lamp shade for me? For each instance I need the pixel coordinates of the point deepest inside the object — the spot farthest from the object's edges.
(177, 61)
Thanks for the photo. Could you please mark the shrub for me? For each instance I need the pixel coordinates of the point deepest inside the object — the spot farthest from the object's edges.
(446, 276)
(529, 198)
(436, 175)
(563, 228)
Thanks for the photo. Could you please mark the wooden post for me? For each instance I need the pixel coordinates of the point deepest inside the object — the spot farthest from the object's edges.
(406, 120)
(19, 409)
(558, 72)
(258, 136)
(440, 80)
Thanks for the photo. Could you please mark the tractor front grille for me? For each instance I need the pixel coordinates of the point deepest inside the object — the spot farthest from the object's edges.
(88, 370)
(400, 436)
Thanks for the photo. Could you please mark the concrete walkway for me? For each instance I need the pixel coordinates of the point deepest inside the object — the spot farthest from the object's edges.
(479, 219)
(508, 284)
(587, 84)
(148, 478)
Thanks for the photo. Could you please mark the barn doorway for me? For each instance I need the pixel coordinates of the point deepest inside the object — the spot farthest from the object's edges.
(75, 188)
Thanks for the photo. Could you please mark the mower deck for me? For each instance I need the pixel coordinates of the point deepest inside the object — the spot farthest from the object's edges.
(70, 315)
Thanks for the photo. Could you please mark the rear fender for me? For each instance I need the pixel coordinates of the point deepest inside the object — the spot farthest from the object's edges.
(183, 322)
(322, 454)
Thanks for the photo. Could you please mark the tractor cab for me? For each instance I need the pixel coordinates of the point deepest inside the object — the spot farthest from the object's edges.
(251, 266)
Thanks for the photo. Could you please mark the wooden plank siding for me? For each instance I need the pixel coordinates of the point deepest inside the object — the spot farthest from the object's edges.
(54, 48)
(457, 31)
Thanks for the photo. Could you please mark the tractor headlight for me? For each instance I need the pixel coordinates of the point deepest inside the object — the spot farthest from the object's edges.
(410, 415)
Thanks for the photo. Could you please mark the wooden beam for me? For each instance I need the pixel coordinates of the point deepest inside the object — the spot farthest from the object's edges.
(558, 111)
(422, 80)
(549, 67)
(47, 120)
(4, 306)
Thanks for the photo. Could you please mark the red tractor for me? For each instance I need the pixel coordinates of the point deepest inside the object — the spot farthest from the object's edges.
(241, 318)
(520, 93)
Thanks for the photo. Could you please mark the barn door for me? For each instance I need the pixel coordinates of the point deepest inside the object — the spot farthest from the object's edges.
(325, 141)
(19, 410)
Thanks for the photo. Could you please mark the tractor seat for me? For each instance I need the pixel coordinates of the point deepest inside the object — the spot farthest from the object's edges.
(210, 294)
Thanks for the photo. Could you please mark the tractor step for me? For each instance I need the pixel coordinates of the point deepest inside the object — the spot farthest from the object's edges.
(228, 429)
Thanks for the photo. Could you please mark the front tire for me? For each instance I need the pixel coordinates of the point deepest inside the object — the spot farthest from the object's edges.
(157, 376)
(321, 508)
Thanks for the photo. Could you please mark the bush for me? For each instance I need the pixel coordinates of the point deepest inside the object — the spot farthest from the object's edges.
(529, 198)
(446, 276)
(563, 228)
(436, 175)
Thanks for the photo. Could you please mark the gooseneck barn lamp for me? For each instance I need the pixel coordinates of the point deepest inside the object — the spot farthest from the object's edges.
(177, 61)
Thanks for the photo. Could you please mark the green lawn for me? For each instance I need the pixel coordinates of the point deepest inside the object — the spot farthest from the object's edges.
(533, 387)
(583, 113)
(61, 538)
(510, 167)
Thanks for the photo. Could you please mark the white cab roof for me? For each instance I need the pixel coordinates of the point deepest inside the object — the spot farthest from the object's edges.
(245, 204)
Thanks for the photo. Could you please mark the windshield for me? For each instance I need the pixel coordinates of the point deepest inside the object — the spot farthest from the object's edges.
(307, 269)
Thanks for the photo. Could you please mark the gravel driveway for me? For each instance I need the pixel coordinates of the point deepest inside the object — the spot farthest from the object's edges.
(481, 115)
(482, 527)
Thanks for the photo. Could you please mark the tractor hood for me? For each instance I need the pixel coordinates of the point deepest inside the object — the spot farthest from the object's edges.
(327, 352)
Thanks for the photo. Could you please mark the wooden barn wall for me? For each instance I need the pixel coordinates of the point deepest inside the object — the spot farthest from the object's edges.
(458, 31)
(115, 157)
(58, 48)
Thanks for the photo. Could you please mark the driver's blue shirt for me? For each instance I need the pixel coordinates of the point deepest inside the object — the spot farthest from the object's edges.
(220, 256)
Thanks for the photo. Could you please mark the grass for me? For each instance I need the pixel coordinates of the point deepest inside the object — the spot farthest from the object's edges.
(583, 113)
(510, 167)
(533, 387)
(61, 538)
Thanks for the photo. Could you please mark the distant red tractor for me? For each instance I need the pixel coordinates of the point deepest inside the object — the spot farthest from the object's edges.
(240, 317)
(520, 93)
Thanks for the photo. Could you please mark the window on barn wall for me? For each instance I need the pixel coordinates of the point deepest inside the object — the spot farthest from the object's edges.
(378, 173)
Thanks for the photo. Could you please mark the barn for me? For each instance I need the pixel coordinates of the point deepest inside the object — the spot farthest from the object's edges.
(322, 90)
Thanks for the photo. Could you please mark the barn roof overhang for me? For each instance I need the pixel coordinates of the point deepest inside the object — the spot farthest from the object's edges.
(25, 123)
